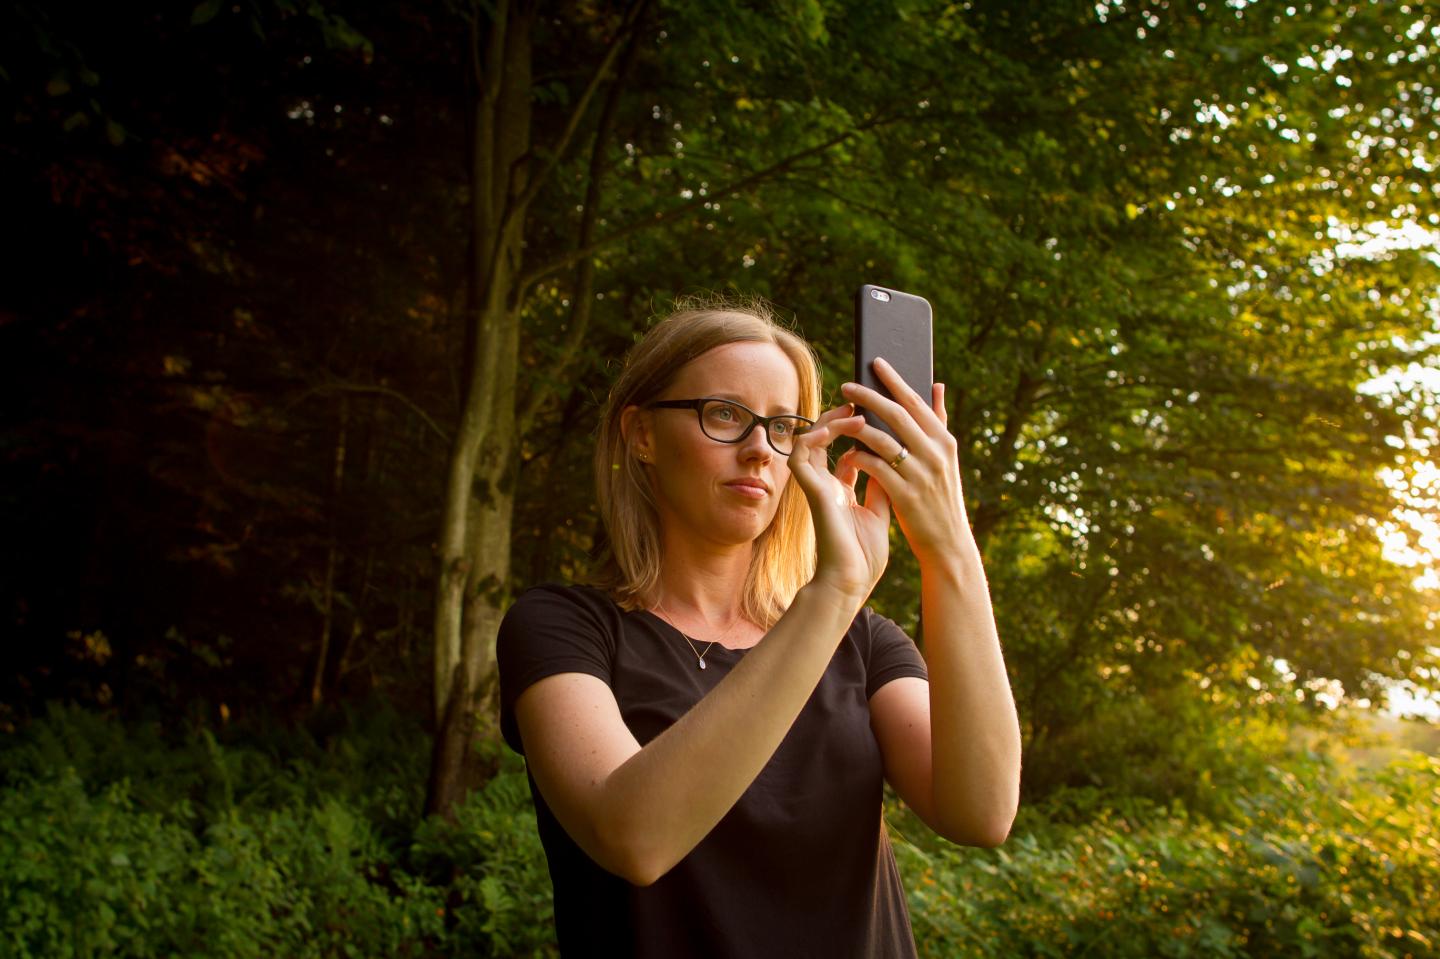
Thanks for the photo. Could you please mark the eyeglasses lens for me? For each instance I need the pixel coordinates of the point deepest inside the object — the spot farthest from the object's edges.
(727, 422)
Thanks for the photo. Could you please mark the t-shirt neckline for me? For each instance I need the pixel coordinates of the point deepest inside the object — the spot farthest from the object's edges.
(684, 637)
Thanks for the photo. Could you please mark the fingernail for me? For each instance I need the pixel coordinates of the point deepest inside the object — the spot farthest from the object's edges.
(847, 387)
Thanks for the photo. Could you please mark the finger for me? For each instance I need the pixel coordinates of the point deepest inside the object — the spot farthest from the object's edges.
(926, 418)
(884, 449)
(834, 413)
(877, 498)
(891, 413)
(810, 457)
(801, 459)
(900, 390)
(880, 442)
(845, 469)
(880, 470)
(937, 395)
(816, 449)
(817, 434)
(829, 418)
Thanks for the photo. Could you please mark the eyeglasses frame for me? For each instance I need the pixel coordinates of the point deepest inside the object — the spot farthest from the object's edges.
(698, 405)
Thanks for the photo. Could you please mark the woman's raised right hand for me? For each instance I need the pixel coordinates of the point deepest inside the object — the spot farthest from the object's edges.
(852, 539)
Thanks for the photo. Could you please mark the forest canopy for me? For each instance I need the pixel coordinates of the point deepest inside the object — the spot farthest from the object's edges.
(256, 250)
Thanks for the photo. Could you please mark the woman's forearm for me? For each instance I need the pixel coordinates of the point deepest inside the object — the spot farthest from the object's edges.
(661, 802)
(975, 732)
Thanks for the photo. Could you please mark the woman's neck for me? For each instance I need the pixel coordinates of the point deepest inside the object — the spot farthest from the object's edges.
(703, 586)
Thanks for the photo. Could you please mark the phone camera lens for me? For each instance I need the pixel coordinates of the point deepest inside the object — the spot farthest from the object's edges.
(880, 295)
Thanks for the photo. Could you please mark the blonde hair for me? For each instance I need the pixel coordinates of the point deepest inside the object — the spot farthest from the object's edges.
(629, 567)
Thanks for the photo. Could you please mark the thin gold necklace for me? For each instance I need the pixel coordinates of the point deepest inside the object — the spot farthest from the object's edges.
(699, 656)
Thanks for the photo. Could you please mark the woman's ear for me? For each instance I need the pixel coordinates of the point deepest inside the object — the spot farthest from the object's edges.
(637, 429)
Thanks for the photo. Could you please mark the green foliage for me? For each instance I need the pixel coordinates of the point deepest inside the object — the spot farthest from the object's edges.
(1314, 866)
(87, 875)
(257, 842)
(1134, 224)
(1302, 859)
(500, 898)
(1198, 738)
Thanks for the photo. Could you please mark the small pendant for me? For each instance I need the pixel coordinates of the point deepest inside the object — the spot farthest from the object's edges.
(702, 663)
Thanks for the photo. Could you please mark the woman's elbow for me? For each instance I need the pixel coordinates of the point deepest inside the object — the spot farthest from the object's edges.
(981, 831)
(982, 837)
(639, 870)
(992, 836)
(629, 852)
(642, 877)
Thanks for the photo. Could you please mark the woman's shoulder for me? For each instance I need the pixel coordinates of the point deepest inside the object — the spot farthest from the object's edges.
(553, 628)
(556, 621)
(561, 607)
(554, 594)
(886, 649)
(554, 589)
(867, 624)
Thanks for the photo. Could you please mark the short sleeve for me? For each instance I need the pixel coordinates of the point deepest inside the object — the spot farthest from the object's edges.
(549, 630)
(892, 653)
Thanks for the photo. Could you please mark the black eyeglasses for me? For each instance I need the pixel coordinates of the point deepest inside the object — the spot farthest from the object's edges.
(726, 421)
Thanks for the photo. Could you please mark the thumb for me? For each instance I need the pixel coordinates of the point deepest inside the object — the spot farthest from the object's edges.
(877, 500)
(802, 459)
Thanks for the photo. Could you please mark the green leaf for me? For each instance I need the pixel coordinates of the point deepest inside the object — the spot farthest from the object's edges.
(205, 12)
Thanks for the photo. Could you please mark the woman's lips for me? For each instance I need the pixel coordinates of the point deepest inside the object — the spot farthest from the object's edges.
(751, 489)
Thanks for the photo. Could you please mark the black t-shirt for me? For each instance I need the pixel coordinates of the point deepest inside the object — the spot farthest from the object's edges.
(800, 866)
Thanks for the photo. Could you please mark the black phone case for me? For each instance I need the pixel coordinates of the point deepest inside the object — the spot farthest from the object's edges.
(898, 330)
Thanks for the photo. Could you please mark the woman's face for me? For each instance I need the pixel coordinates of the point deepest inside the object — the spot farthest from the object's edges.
(725, 494)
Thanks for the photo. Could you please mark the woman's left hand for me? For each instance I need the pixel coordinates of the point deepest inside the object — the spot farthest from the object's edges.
(924, 488)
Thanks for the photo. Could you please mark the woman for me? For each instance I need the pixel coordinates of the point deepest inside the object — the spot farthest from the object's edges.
(708, 725)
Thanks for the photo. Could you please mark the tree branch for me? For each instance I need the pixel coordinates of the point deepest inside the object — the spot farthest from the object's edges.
(885, 216)
(622, 41)
(327, 389)
(566, 259)
(581, 300)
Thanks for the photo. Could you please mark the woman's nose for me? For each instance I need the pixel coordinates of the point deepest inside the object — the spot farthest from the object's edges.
(757, 444)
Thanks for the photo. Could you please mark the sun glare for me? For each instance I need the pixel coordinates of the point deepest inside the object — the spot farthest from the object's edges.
(1412, 537)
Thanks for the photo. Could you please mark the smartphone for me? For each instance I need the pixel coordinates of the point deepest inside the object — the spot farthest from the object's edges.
(896, 326)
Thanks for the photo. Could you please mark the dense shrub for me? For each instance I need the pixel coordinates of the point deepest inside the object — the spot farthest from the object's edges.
(93, 875)
(117, 842)
(499, 890)
(307, 842)
(1317, 867)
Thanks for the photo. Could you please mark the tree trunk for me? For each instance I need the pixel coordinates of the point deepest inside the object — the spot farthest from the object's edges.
(474, 561)
(479, 496)
(332, 556)
(359, 582)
